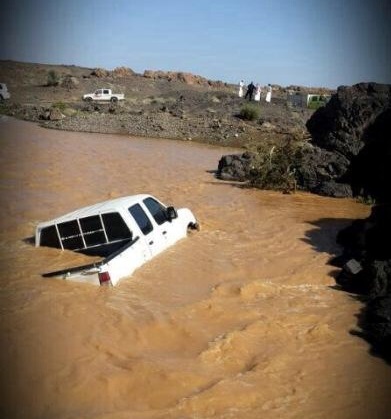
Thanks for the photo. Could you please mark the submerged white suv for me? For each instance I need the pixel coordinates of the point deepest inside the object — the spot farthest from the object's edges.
(126, 231)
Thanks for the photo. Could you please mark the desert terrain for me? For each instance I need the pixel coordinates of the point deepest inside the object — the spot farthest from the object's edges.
(157, 104)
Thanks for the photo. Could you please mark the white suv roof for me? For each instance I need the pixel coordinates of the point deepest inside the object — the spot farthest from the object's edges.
(101, 207)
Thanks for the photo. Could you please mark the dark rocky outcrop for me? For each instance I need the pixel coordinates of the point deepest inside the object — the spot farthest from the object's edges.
(318, 171)
(339, 126)
(367, 243)
(235, 167)
(371, 170)
(378, 325)
(339, 132)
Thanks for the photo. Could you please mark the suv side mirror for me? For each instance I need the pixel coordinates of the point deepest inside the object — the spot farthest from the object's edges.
(171, 213)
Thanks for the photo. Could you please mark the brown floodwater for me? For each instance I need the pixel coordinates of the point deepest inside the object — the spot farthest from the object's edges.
(239, 320)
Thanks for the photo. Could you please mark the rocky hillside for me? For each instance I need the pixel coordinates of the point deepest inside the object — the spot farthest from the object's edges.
(158, 104)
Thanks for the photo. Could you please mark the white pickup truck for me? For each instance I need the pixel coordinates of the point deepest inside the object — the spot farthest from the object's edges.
(126, 231)
(103, 95)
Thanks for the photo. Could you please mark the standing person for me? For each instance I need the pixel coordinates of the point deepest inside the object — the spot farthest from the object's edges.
(257, 96)
(269, 93)
(250, 91)
(241, 85)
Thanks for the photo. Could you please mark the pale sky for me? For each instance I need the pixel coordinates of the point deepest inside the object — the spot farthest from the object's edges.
(306, 42)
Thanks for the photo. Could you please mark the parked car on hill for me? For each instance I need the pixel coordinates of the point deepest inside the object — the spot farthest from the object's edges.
(317, 101)
(306, 100)
(4, 93)
(126, 231)
(103, 95)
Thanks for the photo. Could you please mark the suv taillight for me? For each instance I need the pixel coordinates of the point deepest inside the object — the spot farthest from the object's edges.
(104, 278)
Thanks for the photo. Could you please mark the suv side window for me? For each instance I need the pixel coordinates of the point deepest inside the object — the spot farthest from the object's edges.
(116, 229)
(141, 219)
(157, 210)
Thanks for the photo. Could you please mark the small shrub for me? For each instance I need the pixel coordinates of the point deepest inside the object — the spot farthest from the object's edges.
(59, 105)
(69, 82)
(53, 78)
(366, 199)
(250, 112)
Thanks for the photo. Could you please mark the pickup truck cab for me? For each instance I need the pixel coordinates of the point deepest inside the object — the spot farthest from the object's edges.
(4, 93)
(126, 231)
(103, 95)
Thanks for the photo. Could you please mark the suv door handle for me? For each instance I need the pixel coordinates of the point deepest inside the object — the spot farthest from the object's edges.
(164, 232)
(151, 242)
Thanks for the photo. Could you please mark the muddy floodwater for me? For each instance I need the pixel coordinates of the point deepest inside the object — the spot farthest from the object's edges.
(239, 320)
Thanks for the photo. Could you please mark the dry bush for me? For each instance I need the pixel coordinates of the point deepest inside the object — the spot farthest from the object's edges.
(274, 167)
(53, 78)
(250, 112)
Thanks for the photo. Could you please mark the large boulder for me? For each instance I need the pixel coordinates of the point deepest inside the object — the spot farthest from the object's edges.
(100, 73)
(339, 126)
(378, 325)
(120, 72)
(339, 131)
(235, 166)
(321, 171)
(187, 78)
(370, 172)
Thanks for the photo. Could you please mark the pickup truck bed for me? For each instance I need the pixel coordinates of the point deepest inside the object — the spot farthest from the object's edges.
(94, 273)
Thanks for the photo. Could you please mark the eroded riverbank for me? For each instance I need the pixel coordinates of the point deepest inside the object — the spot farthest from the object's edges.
(238, 320)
